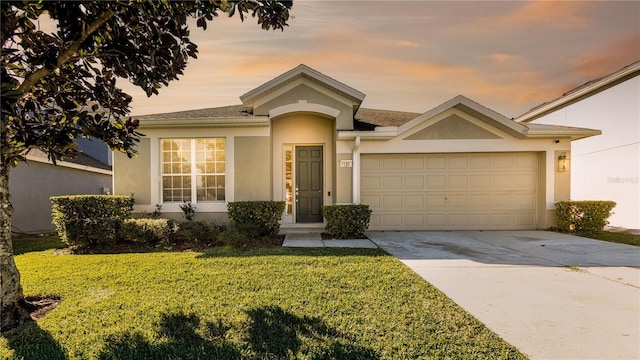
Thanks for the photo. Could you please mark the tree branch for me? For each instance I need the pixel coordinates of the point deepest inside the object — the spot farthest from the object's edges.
(68, 54)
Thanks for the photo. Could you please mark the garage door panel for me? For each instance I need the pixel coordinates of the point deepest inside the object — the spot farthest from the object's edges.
(414, 163)
(457, 201)
(413, 202)
(414, 182)
(524, 181)
(370, 163)
(480, 182)
(450, 191)
(457, 162)
(392, 202)
(457, 181)
(434, 182)
(461, 220)
(436, 162)
(372, 200)
(502, 181)
(392, 182)
(479, 200)
(435, 201)
(480, 220)
(392, 163)
(370, 183)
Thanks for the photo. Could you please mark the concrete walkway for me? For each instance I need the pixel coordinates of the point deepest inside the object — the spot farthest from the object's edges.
(314, 239)
(553, 296)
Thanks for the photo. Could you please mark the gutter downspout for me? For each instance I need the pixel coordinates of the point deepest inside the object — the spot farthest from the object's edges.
(355, 175)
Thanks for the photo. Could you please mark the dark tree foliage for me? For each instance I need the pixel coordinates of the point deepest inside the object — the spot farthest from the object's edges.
(60, 86)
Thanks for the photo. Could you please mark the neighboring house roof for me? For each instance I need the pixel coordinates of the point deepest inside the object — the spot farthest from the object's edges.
(581, 92)
(303, 71)
(80, 161)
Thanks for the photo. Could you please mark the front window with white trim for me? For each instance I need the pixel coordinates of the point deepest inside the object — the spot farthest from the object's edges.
(193, 170)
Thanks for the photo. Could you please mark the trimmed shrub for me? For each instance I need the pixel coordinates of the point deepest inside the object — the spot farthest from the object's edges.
(90, 220)
(198, 232)
(583, 217)
(257, 218)
(150, 231)
(346, 221)
(233, 237)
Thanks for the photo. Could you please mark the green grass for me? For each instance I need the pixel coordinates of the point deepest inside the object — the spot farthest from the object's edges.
(617, 237)
(273, 303)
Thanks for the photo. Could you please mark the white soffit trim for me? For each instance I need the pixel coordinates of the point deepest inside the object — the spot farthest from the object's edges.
(302, 70)
(68, 164)
(304, 107)
(580, 92)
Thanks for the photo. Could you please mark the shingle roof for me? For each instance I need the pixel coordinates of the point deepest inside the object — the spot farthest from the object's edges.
(80, 159)
(366, 119)
(384, 117)
(232, 111)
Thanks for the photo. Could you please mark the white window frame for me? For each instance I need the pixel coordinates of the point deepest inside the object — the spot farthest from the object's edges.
(193, 174)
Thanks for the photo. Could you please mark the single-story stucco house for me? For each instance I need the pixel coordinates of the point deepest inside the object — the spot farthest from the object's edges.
(302, 138)
(605, 167)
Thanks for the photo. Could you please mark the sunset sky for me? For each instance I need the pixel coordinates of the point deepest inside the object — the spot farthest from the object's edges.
(413, 55)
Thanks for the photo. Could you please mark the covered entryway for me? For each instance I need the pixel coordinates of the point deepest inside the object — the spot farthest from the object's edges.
(308, 184)
(489, 191)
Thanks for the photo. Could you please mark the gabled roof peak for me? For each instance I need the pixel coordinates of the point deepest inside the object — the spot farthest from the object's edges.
(303, 70)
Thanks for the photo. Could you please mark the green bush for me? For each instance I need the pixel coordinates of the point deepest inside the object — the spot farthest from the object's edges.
(198, 232)
(257, 218)
(90, 220)
(346, 221)
(150, 231)
(233, 237)
(583, 217)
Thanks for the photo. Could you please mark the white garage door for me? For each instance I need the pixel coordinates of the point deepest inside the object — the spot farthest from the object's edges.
(477, 191)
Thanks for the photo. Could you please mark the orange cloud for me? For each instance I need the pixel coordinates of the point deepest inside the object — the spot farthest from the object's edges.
(564, 15)
(609, 58)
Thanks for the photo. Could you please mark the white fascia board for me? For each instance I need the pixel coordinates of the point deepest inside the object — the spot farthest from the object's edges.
(585, 91)
(70, 165)
(214, 122)
(366, 135)
(572, 133)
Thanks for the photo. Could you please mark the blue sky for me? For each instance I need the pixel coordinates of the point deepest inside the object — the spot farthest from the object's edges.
(413, 55)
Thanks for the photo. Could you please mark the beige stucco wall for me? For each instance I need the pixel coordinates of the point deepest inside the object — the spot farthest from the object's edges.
(253, 168)
(303, 129)
(344, 176)
(133, 176)
(312, 94)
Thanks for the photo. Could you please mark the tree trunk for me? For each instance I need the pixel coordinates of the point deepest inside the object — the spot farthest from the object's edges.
(12, 304)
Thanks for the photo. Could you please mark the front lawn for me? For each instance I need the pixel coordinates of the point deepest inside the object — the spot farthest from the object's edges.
(274, 303)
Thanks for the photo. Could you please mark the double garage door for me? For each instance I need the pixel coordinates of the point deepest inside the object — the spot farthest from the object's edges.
(470, 191)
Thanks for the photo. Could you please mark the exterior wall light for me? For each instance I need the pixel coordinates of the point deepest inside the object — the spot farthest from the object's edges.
(563, 162)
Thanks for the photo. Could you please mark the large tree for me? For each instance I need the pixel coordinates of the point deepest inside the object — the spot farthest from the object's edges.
(60, 86)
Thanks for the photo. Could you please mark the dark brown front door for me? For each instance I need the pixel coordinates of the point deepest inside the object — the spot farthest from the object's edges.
(308, 184)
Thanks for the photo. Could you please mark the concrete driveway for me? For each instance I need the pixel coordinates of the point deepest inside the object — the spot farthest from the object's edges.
(551, 295)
